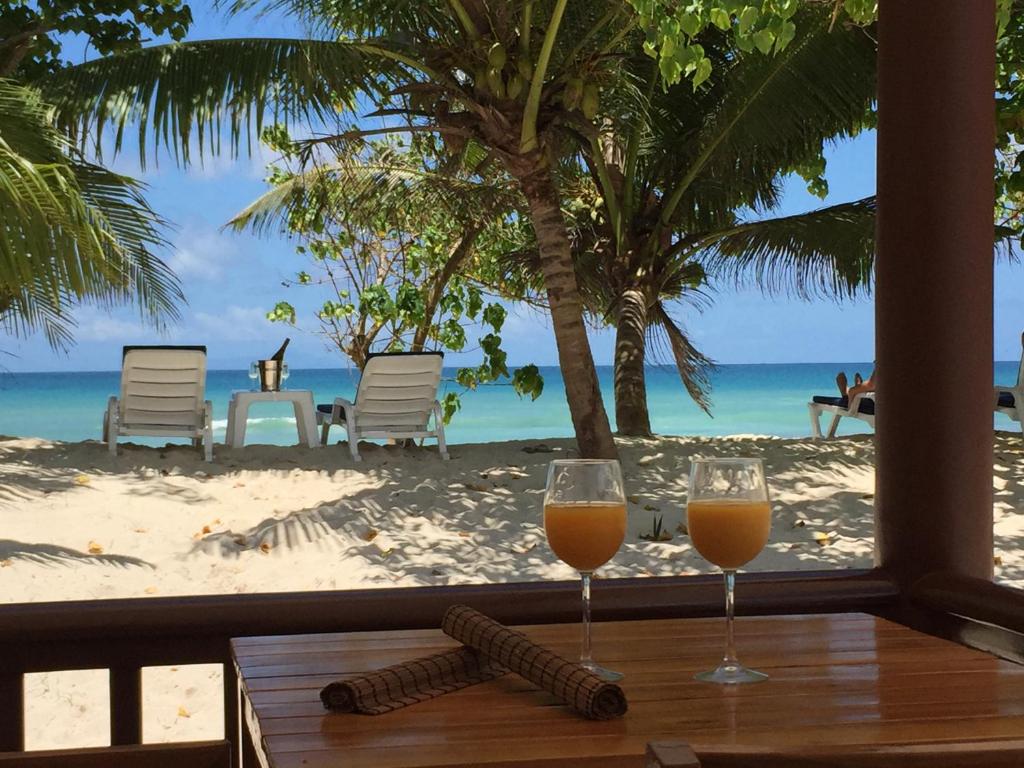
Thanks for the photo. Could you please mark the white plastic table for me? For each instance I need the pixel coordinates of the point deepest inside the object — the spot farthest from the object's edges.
(301, 400)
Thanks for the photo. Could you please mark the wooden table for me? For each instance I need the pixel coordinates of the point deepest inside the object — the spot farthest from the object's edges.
(847, 679)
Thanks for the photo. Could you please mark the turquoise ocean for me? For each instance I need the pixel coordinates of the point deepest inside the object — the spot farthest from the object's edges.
(768, 399)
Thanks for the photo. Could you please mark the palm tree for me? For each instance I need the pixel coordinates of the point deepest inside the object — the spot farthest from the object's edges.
(71, 232)
(674, 178)
(512, 77)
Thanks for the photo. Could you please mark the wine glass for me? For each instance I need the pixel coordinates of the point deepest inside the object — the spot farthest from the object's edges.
(729, 518)
(254, 373)
(284, 374)
(585, 522)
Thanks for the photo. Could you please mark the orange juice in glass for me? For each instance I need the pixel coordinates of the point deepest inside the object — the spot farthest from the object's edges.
(585, 522)
(729, 533)
(585, 534)
(729, 518)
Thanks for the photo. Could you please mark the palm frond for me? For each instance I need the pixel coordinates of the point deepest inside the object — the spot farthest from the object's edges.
(694, 367)
(70, 231)
(390, 186)
(763, 115)
(828, 252)
(189, 95)
(361, 17)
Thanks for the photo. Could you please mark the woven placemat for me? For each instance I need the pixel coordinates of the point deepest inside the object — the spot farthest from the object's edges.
(568, 681)
(410, 682)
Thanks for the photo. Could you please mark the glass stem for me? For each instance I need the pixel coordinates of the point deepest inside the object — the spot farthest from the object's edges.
(730, 660)
(585, 651)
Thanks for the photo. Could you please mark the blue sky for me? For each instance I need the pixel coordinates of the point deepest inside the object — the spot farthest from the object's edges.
(232, 280)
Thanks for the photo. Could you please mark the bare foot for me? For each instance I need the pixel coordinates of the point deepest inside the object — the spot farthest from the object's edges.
(841, 383)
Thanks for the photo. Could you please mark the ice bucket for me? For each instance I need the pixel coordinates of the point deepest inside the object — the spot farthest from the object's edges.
(270, 376)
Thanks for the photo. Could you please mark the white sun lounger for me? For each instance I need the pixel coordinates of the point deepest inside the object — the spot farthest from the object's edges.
(162, 390)
(1010, 400)
(396, 398)
(862, 407)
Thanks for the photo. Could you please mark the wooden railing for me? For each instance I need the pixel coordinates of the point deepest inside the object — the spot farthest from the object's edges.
(196, 754)
(970, 611)
(124, 636)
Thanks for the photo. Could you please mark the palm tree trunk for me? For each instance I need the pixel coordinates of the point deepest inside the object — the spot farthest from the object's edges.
(631, 416)
(593, 432)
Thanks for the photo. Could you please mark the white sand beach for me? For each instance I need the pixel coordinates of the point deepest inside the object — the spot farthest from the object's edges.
(79, 524)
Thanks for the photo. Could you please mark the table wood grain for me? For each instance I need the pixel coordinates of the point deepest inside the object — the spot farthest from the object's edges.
(847, 679)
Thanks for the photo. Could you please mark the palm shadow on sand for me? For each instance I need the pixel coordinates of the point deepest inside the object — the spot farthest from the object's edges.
(452, 525)
(53, 554)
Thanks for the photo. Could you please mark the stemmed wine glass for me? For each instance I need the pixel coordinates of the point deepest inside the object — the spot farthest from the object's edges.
(284, 374)
(585, 522)
(254, 373)
(729, 518)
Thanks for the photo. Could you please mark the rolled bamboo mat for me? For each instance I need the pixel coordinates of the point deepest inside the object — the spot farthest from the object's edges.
(568, 681)
(410, 682)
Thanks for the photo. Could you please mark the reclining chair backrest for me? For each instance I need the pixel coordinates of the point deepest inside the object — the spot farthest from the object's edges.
(163, 387)
(398, 389)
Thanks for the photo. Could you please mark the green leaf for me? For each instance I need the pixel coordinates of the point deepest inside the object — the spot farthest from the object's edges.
(452, 335)
(764, 40)
(670, 69)
(283, 312)
(720, 18)
(451, 304)
(474, 302)
(409, 304)
(691, 24)
(785, 35)
(467, 377)
(450, 405)
(747, 19)
(494, 315)
(376, 302)
(528, 381)
(701, 72)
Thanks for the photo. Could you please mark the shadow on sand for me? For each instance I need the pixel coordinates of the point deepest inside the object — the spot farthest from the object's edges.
(52, 554)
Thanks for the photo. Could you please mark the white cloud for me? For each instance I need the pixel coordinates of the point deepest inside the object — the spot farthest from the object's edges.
(234, 324)
(202, 254)
(98, 325)
(217, 167)
(524, 320)
(203, 167)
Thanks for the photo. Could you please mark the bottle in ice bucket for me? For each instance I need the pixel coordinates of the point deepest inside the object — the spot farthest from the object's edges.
(270, 370)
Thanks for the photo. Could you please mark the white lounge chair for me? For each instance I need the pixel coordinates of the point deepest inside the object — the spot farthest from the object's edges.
(396, 397)
(162, 389)
(1010, 400)
(862, 407)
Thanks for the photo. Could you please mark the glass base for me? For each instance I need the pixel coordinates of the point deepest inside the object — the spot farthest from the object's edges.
(732, 673)
(608, 675)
